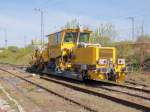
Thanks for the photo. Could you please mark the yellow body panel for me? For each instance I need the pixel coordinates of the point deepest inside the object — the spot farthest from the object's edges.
(91, 55)
(121, 75)
(87, 55)
(108, 53)
(54, 51)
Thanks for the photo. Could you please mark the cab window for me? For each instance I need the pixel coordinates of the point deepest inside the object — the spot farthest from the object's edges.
(70, 37)
(84, 37)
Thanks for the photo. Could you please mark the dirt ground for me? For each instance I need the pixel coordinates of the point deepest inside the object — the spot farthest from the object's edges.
(6, 105)
(34, 99)
(139, 77)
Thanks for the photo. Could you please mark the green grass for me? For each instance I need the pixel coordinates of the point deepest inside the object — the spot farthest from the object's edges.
(14, 55)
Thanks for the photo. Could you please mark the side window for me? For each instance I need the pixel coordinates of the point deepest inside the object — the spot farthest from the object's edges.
(55, 39)
(58, 37)
(52, 40)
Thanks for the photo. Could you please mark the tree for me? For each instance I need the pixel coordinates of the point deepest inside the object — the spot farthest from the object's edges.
(144, 38)
(104, 34)
(72, 24)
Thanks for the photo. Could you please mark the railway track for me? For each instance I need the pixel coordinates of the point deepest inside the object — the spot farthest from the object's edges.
(136, 84)
(128, 92)
(95, 93)
(97, 83)
(50, 91)
(104, 95)
(134, 91)
(90, 91)
(105, 85)
(25, 97)
(16, 66)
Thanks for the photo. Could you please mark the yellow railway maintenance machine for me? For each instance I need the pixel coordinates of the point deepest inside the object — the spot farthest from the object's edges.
(69, 53)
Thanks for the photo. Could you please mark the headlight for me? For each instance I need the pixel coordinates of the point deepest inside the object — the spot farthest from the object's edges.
(103, 61)
(121, 61)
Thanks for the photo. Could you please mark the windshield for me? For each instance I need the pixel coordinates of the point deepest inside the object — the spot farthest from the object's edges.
(84, 37)
(70, 37)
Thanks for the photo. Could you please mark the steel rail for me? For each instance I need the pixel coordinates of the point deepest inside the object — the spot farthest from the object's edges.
(95, 93)
(52, 92)
(91, 92)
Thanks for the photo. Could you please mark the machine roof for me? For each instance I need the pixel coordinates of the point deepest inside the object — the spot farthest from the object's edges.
(71, 30)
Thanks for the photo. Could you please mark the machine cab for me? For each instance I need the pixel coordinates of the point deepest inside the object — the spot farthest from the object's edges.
(73, 37)
(66, 39)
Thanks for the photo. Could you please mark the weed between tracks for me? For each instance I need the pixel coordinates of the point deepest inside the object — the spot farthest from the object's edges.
(139, 77)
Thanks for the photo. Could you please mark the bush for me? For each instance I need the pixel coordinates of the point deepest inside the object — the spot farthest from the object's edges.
(15, 55)
(13, 48)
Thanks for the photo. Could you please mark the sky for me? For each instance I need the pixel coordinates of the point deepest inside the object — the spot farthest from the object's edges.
(22, 23)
